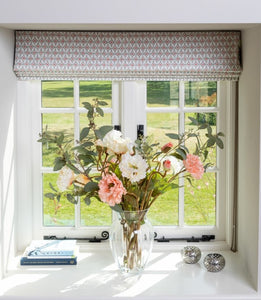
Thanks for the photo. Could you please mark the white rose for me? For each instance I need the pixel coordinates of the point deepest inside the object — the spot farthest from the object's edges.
(65, 178)
(114, 142)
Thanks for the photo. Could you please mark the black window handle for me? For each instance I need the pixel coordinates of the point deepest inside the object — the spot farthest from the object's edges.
(140, 131)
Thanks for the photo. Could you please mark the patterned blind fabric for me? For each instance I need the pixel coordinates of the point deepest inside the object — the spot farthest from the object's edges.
(208, 55)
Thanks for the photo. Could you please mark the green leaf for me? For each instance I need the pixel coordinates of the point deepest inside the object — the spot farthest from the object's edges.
(87, 200)
(183, 147)
(220, 134)
(85, 131)
(71, 198)
(182, 153)
(209, 130)
(91, 187)
(90, 113)
(83, 151)
(101, 132)
(207, 165)
(102, 103)
(117, 208)
(60, 139)
(100, 111)
(87, 144)
(178, 156)
(205, 154)
(58, 163)
(211, 142)
(192, 134)
(203, 126)
(87, 159)
(51, 186)
(219, 143)
(194, 121)
(87, 105)
(73, 168)
(173, 136)
(49, 195)
(190, 182)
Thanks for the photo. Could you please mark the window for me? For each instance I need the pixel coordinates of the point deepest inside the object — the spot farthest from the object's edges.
(162, 107)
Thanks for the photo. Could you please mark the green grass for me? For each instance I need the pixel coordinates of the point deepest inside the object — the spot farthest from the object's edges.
(199, 202)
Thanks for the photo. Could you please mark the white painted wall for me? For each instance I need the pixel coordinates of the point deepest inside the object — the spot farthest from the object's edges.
(144, 14)
(135, 11)
(7, 148)
(249, 151)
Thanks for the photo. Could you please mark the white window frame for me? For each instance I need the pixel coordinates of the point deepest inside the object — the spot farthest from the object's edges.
(132, 110)
(134, 98)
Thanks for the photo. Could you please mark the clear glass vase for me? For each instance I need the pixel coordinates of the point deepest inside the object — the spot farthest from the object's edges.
(131, 240)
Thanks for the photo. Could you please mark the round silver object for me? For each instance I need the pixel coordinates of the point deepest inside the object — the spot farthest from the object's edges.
(191, 254)
(214, 262)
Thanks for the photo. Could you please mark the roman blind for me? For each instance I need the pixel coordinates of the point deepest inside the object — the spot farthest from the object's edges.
(127, 55)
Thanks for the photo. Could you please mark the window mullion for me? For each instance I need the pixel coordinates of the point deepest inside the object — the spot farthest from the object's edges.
(116, 104)
(181, 130)
(76, 91)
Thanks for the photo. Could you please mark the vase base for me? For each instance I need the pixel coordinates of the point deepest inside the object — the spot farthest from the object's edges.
(128, 271)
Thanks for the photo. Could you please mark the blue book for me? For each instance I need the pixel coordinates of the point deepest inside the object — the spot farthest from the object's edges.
(48, 261)
(43, 248)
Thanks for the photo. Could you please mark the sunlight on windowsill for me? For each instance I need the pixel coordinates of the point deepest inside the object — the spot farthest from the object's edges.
(96, 276)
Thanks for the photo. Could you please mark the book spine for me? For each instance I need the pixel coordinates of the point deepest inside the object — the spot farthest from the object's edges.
(52, 253)
(48, 261)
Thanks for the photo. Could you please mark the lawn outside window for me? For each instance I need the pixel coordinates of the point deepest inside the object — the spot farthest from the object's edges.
(161, 107)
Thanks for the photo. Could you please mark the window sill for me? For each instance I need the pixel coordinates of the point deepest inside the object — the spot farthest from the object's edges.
(96, 276)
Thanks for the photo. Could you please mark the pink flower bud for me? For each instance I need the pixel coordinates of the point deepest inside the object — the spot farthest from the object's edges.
(166, 147)
(167, 165)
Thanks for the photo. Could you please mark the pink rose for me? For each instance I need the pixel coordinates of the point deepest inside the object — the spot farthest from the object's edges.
(111, 189)
(167, 165)
(194, 166)
(166, 147)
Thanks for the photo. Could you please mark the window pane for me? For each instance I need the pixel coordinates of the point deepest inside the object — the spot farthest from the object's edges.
(162, 93)
(201, 118)
(95, 214)
(158, 124)
(198, 94)
(90, 90)
(200, 201)
(65, 214)
(57, 94)
(165, 210)
(56, 123)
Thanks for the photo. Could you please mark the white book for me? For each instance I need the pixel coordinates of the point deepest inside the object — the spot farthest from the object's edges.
(47, 248)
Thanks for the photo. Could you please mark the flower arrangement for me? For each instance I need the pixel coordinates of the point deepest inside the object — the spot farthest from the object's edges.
(127, 175)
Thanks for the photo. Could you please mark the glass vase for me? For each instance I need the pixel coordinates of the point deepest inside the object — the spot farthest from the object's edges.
(131, 240)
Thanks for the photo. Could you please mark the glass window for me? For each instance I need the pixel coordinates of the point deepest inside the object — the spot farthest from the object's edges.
(163, 107)
(170, 111)
(61, 112)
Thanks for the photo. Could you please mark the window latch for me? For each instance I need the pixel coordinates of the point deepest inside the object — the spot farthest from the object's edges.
(140, 131)
(104, 236)
(117, 127)
(203, 238)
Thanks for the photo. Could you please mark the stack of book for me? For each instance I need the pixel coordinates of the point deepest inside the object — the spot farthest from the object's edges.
(50, 252)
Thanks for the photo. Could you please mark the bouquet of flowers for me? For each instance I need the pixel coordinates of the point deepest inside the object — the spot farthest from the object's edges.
(126, 175)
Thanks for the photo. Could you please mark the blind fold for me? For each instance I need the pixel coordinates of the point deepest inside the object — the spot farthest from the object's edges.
(59, 55)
